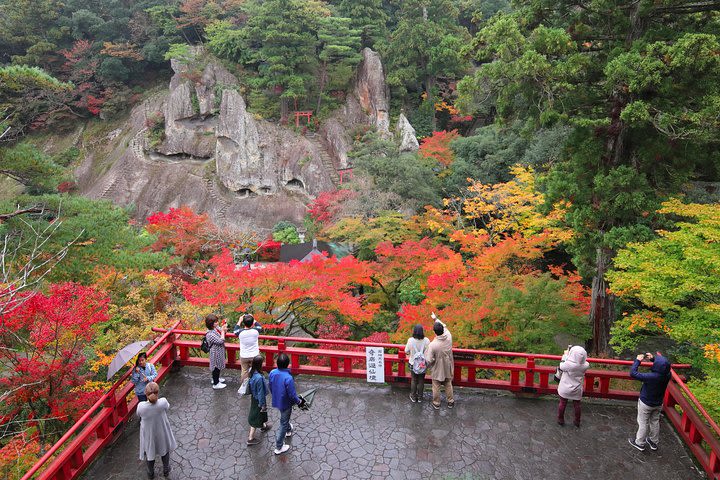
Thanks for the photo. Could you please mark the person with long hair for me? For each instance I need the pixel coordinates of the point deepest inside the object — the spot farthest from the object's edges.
(156, 436)
(416, 351)
(143, 373)
(257, 416)
(216, 339)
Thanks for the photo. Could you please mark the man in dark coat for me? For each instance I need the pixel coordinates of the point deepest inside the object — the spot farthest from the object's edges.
(651, 399)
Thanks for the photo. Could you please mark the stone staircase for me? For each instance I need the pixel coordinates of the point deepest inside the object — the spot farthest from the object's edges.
(324, 158)
(217, 199)
(136, 146)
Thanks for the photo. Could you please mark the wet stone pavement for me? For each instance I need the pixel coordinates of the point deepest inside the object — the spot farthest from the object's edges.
(358, 431)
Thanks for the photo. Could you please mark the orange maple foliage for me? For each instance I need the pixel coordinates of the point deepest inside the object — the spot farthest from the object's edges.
(437, 147)
(303, 294)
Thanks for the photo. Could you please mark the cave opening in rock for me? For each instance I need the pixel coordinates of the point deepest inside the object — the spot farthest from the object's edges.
(265, 190)
(245, 192)
(295, 184)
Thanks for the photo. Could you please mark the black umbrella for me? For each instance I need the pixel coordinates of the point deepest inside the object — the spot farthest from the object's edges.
(307, 399)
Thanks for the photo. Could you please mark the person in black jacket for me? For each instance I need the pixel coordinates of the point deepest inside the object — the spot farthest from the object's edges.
(651, 399)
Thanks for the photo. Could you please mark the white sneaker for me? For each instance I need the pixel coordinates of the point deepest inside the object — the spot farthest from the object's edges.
(284, 449)
(290, 432)
(222, 380)
(219, 386)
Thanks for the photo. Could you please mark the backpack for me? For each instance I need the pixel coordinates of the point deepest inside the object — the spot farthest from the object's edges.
(205, 346)
(419, 365)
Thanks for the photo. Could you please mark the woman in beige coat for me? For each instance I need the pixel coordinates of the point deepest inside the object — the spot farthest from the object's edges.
(440, 360)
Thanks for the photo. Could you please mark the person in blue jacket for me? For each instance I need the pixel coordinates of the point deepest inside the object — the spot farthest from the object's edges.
(143, 373)
(257, 416)
(282, 388)
(651, 399)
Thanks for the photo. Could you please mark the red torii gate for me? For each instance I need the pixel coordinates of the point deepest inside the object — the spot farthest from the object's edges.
(307, 114)
(342, 172)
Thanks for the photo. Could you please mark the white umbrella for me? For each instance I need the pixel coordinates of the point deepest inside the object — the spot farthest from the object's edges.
(123, 356)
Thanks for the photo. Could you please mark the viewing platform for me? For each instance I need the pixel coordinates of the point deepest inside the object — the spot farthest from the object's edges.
(359, 431)
(502, 427)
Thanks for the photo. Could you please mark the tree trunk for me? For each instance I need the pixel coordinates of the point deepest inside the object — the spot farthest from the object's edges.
(602, 305)
(284, 109)
(429, 86)
(321, 86)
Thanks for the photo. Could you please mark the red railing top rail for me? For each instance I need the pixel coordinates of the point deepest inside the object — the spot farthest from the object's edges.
(40, 463)
(696, 403)
(492, 353)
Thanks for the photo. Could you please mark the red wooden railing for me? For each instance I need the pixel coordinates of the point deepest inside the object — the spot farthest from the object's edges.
(519, 373)
(98, 426)
(694, 425)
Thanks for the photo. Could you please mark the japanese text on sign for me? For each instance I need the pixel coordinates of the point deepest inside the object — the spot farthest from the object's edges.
(375, 363)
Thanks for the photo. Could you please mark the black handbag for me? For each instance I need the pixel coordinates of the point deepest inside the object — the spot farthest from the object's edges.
(558, 374)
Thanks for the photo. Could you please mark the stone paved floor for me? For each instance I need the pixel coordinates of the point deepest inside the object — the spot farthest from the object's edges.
(357, 431)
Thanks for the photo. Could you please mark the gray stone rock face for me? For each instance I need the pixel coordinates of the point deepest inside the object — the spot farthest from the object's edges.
(237, 152)
(406, 135)
(218, 158)
(189, 128)
(372, 91)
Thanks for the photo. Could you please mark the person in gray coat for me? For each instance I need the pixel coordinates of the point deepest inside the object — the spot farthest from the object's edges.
(573, 365)
(156, 437)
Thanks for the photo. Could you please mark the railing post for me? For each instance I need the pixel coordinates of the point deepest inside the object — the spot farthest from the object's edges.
(401, 363)
(530, 372)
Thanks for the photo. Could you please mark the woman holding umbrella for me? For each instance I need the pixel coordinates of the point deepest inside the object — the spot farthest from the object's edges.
(143, 373)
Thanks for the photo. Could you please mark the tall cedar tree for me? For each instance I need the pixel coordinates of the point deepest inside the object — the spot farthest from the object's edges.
(282, 35)
(338, 53)
(637, 82)
(425, 45)
(368, 16)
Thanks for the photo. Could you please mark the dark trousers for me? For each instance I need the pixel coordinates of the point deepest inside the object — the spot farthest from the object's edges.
(166, 465)
(417, 384)
(216, 376)
(561, 410)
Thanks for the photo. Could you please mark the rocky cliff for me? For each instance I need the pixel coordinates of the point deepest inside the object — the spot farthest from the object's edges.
(196, 144)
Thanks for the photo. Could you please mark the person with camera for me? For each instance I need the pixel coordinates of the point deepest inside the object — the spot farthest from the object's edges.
(143, 373)
(573, 366)
(216, 340)
(282, 388)
(650, 402)
(248, 337)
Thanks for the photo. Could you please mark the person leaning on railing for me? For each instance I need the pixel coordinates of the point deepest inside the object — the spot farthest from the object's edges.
(216, 339)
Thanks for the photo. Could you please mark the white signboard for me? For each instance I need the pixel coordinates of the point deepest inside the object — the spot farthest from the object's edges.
(375, 362)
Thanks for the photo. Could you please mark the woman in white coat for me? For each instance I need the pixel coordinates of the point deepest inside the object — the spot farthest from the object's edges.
(573, 365)
(156, 437)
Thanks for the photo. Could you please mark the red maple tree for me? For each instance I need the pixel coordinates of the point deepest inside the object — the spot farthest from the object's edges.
(305, 295)
(44, 338)
(437, 147)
